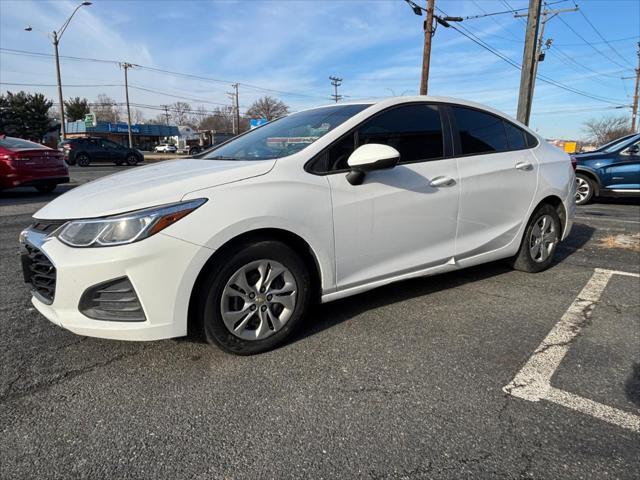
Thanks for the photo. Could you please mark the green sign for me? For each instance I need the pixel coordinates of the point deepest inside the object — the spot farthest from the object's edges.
(90, 120)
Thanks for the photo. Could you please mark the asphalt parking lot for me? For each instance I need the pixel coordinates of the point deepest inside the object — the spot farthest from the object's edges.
(482, 373)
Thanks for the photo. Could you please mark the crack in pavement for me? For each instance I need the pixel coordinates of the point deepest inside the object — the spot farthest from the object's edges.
(7, 396)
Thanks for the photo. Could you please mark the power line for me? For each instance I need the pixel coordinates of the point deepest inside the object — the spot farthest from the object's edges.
(165, 71)
(599, 52)
(604, 39)
(474, 38)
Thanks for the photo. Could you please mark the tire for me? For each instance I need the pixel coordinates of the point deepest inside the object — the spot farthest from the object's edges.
(132, 160)
(83, 160)
(537, 255)
(47, 187)
(255, 314)
(70, 162)
(585, 188)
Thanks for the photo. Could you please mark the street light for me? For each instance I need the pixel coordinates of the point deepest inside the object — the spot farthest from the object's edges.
(55, 37)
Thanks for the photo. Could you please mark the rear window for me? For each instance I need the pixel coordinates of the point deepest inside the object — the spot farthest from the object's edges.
(18, 143)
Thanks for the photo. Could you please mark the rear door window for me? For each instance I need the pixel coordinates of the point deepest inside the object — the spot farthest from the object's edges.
(480, 132)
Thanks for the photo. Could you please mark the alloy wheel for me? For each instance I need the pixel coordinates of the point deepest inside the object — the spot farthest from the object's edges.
(583, 190)
(543, 239)
(258, 299)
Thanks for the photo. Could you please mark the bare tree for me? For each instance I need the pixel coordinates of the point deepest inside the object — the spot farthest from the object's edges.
(220, 121)
(106, 109)
(606, 129)
(137, 116)
(267, 107)
(180, 112)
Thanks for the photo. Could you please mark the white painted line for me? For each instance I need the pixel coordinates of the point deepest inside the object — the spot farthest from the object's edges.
(533, 381)
(595, 409)
(580, 217)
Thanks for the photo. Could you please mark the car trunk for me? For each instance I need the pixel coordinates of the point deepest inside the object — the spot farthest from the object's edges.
(40, 160)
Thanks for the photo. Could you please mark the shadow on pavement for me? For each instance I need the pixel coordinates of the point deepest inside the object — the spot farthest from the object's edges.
(324, 316)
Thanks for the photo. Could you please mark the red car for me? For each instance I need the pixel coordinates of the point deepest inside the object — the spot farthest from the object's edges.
(29, 164)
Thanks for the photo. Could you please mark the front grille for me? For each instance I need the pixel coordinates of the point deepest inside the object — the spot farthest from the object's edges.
(115, 300)
(39, 272)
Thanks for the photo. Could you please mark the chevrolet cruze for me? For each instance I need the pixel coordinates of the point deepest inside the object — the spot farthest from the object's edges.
(315, 206)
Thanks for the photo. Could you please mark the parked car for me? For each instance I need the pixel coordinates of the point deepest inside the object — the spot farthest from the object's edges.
(29, 164)
(315, 206)
(613, 171)
(84, 151)
(165, 148)
(613, 142)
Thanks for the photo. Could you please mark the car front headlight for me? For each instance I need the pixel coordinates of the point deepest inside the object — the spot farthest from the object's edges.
(125, 228)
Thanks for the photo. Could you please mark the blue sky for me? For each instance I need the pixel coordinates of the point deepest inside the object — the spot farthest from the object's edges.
(294, 46)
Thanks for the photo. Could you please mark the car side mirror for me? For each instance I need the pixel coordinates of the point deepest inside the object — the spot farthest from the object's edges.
(369, 157)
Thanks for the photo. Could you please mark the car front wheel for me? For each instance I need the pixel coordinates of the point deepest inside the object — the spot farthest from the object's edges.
(132, 160)
(541, 238)
(47, 187)
(83, 160)
(255, 299)
(584, 189)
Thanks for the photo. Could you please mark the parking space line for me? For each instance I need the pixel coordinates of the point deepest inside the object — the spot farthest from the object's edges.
(533, 381)
(604, 219)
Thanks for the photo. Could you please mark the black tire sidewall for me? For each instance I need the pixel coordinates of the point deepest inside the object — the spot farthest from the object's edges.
(80, 160)
(128, 160)
(210, 317)
(48, 188)
(524, 258)
(591, 189)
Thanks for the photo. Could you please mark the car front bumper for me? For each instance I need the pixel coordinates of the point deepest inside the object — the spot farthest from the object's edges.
(161, 269)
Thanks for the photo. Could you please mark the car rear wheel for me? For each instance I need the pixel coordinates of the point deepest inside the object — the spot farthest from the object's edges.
(584, 189)
(541, 238)
(83, 160)
(132, 160)
(47, 187)
(254, 300)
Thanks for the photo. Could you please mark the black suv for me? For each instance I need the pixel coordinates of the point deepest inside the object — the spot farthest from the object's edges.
(83, 151)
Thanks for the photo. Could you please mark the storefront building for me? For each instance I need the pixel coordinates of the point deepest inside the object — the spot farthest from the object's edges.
(145, 136)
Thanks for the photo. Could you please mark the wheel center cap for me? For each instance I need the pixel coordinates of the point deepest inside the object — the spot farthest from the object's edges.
(261, 299)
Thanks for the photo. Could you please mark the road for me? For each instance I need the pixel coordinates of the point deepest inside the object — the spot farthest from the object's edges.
(403, 382)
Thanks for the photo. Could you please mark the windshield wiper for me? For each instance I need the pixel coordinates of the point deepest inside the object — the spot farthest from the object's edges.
(221, 157)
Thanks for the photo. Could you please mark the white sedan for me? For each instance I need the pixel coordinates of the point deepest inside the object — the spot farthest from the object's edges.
(316, 206)
(165, 148)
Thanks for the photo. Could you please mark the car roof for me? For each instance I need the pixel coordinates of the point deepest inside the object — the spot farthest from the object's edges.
(392, 101)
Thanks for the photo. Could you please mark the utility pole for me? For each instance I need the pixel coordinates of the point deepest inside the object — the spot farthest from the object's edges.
(63, 127)
(127, 66)
(527, 74)
(55, 37)
(166, 112)
(235, 86)
(426, 52)
(235, 108)
(533, 53)
(634, 111)
(336, 82)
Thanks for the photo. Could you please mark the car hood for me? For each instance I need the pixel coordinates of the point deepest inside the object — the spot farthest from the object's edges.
(148, 186)
(590, 156)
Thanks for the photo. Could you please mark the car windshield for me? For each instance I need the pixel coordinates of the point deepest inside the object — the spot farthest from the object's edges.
(18, 143)
(622, 144)
(285, 136)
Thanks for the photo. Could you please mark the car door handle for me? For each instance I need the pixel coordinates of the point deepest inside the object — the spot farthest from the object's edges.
(442, 182)
(524, 166)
